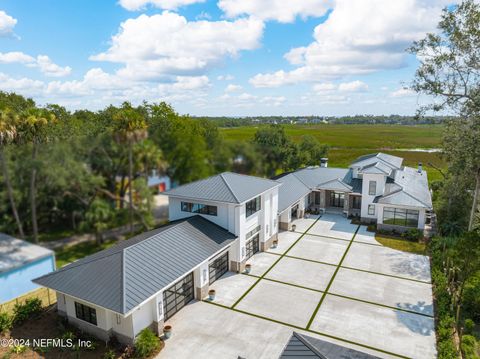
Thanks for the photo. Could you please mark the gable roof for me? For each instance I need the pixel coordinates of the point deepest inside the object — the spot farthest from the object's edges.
(15, 253)
(226, 187)
(381, 163)
(303, 347)
(410, 188)
(314, 177)
(123, 276)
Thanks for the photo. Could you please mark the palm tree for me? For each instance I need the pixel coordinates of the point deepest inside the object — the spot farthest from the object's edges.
(130, 127)
(36, 129)
(98, 217)
(8, 132)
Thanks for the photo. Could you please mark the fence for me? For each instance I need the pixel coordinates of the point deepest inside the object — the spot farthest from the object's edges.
(46, 295)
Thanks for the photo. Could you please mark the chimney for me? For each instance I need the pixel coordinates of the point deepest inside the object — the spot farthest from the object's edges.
(323, 162)
(420, 168)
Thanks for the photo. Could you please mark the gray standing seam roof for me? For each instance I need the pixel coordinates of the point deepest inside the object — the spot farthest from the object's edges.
(301, 347)
(226, 187)
(123, 276)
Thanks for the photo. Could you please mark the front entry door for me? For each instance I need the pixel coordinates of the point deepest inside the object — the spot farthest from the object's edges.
(218, 268)
(253, 246)
(337, 199)
(178, 295)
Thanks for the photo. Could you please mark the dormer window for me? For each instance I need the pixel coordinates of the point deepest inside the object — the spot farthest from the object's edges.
(372, 188)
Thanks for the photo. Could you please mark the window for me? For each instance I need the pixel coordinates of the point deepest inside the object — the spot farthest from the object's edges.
(372, 188)
(199, 208)
(317, 197)
(356, 202)
(400, 217)
(86, 313)
(337, 199)
(371, 209)
(253, 206)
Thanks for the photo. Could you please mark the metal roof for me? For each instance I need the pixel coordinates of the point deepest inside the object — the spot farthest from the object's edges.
(226, 187)
(314, 177)
(410, 188)
(15, 253)
(291, 191)
(301, 347)
(123, 276)
(384, 159)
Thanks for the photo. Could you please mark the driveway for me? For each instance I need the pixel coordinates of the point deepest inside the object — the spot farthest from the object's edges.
(331, 280)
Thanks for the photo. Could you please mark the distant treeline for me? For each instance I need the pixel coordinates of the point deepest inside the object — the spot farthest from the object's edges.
(305, 120)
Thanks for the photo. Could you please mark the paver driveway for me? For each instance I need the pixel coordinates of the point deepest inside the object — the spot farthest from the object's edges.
(329, 279)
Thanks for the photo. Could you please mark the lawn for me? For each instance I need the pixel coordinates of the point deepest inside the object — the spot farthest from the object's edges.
(347, 142)
(402, 244)
(73, 253)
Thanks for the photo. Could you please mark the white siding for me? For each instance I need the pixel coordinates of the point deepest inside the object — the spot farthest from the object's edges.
(367, 199)
(144, 316)
(122, 325)
(103, 320)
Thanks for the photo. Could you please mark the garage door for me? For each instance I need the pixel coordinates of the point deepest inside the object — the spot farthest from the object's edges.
(253, 246)
(178, 295)
(218, 267)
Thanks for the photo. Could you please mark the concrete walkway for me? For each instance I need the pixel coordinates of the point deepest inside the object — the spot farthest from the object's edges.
(323, 281)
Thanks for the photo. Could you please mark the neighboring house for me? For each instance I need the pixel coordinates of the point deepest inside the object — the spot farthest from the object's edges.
(302, 346)
(20, 262)
(217, 224)
(159, 183)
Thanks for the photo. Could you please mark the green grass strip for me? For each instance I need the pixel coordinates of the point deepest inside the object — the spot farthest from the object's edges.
(311, 331)
(331, 281)
(273, 265)
(341, 296)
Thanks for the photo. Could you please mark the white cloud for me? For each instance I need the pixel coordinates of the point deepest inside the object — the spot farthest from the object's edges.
(324, 87)
(23, 85)
(7, 23)
(225, 78)
(233, 88)
(354, 86)
(353, 42)
(279, 10)
(48, 68)
(402, 92)
(42, 62)
(152, 47)
(15, 57)
(133, 5)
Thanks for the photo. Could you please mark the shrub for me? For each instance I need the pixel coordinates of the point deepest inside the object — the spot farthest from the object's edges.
(5, 322)
(109, 354)
(469, 345)
(22, 312)
(147, 342)
(469, 325)
(413, 234)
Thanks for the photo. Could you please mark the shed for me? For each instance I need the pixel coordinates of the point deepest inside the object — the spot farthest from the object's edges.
(20, 262)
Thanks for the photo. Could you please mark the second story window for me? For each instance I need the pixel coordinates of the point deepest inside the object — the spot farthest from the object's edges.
(253, 206)
(199, 208)
(372, 188)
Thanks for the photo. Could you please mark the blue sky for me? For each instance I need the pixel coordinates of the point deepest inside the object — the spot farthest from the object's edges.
(222, 57)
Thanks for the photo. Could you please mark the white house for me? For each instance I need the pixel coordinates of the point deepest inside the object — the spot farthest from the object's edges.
(216, 225)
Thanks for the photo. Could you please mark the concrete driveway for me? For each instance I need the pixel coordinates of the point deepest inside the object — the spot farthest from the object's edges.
(332, 281)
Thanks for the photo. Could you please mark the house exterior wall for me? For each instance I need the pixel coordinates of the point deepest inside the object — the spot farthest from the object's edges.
(18, 281)
(367, 199)
(381, 225)
(144, 316)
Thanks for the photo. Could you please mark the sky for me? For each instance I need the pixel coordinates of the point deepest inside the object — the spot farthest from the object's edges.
(217, 57)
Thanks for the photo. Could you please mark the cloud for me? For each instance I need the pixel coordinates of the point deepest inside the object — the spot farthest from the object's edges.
(353, 42)
(354, 86)
(42, 62)
(324, 87)
(152, 47)
(48, 68)
(7, 23)
(134, 5)
(402, 92)
(24, 85)
(15, 57)
(233, 88)
(278, 10)
(225, 78)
